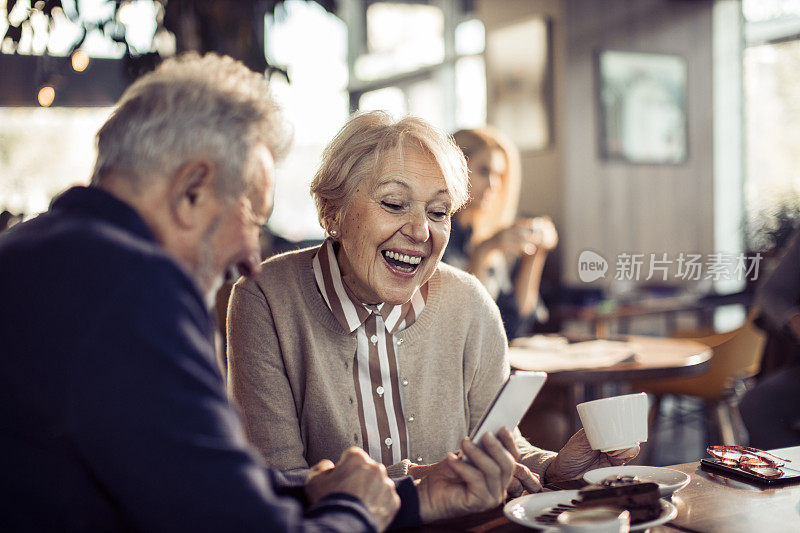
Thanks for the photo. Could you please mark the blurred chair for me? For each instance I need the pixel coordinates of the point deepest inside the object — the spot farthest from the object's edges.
(737, 357)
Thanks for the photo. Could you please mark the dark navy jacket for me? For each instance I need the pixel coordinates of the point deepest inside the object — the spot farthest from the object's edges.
(113, 415)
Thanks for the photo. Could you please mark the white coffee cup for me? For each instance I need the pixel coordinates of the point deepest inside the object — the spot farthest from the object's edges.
(594, 520)
(615, 423)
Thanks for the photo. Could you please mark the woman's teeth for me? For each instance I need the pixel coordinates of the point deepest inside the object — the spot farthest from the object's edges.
(402, 262)
(411, 260)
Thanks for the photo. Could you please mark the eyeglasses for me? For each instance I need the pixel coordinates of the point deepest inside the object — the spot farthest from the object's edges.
(752, 460)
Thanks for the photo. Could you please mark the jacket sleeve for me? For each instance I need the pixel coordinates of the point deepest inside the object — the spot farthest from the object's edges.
(257, 380)
(149, 420)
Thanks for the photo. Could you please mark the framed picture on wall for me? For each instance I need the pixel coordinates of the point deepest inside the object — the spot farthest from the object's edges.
(642, 107)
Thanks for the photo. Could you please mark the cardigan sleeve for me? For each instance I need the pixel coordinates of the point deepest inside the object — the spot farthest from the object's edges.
(489, 349)
(257, 380)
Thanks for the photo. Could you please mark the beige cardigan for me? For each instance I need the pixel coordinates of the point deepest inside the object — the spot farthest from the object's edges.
(289, 367)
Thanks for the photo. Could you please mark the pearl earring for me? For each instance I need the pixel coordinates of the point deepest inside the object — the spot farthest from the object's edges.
(334, 233)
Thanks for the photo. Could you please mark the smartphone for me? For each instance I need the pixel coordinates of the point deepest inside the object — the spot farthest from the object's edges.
(789, 475)
(511, 403)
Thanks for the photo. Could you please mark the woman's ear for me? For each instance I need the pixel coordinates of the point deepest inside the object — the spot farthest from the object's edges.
(332, 226)
(193, 193)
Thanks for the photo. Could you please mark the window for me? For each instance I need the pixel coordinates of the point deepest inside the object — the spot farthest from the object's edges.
(419, 59)
(772, 119)
(312, 45)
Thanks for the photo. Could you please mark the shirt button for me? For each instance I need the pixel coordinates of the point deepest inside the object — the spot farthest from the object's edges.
(419, 459)
(351, 400)
(379, 390)
(411, 418)
(388, 441)
(405, 382)
(346, 365)
(355, 437)
(374, 339)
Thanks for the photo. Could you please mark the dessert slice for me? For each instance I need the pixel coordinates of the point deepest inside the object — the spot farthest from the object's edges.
(641, 499)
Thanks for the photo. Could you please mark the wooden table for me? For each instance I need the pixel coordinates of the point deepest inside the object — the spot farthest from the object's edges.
(709, 503)
(656, 358)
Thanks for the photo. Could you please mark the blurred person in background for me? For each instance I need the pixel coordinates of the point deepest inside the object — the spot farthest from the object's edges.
(505, 253)
(508, 256)
(771, 409)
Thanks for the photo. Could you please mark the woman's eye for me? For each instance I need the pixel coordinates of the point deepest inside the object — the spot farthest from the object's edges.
(391, 206)
(438, 215)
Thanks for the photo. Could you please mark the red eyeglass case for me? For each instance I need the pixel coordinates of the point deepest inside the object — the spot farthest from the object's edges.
(789, 476)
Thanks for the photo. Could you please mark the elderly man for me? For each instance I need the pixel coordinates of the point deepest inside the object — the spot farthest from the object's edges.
(114, 413)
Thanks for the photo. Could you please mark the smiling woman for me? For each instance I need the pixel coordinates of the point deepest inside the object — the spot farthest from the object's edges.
(368, 339)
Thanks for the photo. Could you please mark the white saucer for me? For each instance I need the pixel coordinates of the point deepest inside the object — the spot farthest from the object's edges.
(668, 480)
(525, 509)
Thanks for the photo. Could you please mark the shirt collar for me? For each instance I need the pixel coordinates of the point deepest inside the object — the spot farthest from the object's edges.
(349, 311)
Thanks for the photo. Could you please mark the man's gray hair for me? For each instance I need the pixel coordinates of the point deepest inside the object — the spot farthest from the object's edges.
(191, 106)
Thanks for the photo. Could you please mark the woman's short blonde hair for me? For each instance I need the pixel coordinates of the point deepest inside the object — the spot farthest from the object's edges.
(359, 149)
(502, 210)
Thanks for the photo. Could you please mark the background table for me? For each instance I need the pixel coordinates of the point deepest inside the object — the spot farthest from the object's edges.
(709, 503)
(656, 358)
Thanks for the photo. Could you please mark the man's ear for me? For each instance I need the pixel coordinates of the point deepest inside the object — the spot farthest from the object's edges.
(193, 192)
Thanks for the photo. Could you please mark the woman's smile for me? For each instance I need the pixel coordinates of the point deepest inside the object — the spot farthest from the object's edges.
(402, 262)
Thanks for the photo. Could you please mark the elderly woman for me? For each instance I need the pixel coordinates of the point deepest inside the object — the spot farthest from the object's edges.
(368, 339)
(507, 255)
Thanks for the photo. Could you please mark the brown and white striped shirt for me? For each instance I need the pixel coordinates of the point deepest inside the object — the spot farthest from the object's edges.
(375, 368)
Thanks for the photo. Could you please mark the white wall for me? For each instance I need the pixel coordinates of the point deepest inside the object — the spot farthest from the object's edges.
(609, 206)
(615, 207)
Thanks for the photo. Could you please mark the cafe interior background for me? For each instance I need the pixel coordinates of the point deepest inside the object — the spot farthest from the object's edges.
(649, 131)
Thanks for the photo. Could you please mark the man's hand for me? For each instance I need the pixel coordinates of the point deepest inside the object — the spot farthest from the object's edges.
(358, 475)
(457, 488)
(578, 457)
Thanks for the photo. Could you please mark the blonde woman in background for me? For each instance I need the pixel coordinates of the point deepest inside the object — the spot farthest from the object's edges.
(507, 255)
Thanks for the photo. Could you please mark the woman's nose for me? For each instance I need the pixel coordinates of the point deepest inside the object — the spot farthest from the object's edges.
(416, 227)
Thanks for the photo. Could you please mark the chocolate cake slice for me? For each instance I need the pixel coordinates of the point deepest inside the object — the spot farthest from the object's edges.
(640, 499)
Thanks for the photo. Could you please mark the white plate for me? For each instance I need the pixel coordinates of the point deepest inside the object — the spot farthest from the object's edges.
(668, 480)
(525, 509)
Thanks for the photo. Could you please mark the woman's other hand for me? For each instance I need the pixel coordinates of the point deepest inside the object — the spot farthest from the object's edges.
(578, 457)
(522, 479)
